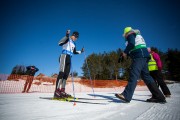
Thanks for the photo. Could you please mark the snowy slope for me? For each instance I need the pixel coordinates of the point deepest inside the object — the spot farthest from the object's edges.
(31, 107)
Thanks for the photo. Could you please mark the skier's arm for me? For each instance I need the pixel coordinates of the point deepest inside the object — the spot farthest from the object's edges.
(78, 52)
(131, 43)
(63, 41)
(37, 69)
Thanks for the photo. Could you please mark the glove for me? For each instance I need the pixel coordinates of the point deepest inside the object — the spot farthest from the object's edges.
(67, 33)
(122, 57)
(82, 50)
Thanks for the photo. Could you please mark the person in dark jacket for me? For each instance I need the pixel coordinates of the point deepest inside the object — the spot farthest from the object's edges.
(31, 70)
(137, 50)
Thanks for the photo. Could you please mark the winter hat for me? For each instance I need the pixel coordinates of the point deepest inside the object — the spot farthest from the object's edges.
(76, 34)
(126, 30)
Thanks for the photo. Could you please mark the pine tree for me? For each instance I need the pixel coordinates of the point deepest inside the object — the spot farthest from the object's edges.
(104, 66)
(174, 64)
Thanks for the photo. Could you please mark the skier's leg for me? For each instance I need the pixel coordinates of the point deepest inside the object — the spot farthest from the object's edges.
(30, 83)
(26, 83)
(62, 60)
(66, 74)
(59, 80)
(57, 92)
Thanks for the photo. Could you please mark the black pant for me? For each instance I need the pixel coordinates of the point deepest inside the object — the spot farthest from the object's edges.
(158, 77)
(65, 66)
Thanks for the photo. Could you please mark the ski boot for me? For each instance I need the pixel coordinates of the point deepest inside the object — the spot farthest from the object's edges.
(64, 94)
(57, 94)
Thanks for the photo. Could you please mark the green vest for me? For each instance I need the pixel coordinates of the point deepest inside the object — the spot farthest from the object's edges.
(152, 65)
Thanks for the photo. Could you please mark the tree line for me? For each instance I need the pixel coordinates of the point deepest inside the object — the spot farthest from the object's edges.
(21, 70)
(104, 66)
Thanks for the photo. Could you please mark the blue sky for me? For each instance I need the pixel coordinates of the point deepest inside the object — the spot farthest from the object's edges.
(30, 29)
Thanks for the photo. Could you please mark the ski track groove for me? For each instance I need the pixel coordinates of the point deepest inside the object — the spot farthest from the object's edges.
(167, 111)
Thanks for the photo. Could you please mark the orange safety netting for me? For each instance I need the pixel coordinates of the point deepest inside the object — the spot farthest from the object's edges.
(15, 84)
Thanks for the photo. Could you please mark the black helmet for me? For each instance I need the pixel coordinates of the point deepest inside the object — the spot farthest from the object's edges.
(76, 34)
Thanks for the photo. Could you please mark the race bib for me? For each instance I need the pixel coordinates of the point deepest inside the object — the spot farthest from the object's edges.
(139, 40)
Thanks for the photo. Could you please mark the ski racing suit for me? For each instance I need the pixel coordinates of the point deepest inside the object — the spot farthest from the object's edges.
(68, 49)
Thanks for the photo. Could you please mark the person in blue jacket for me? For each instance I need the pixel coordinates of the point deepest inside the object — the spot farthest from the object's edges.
(30, 71)
(68, 49)
(137, 50)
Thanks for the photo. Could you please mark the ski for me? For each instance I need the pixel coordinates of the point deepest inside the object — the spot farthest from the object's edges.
(73, 100)
(77, 101)
(59, 99)
(91, 99)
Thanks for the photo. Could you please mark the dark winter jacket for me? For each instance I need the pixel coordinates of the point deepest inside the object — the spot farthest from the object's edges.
(138, 53)
(31, 70)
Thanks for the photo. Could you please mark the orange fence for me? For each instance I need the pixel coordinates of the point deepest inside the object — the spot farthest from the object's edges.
(107, 83)
(15, 84)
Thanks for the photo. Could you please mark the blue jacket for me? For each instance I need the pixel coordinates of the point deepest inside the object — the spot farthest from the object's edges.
(138, 53)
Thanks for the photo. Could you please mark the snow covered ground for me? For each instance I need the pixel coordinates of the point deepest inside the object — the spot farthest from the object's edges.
(29, 106)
